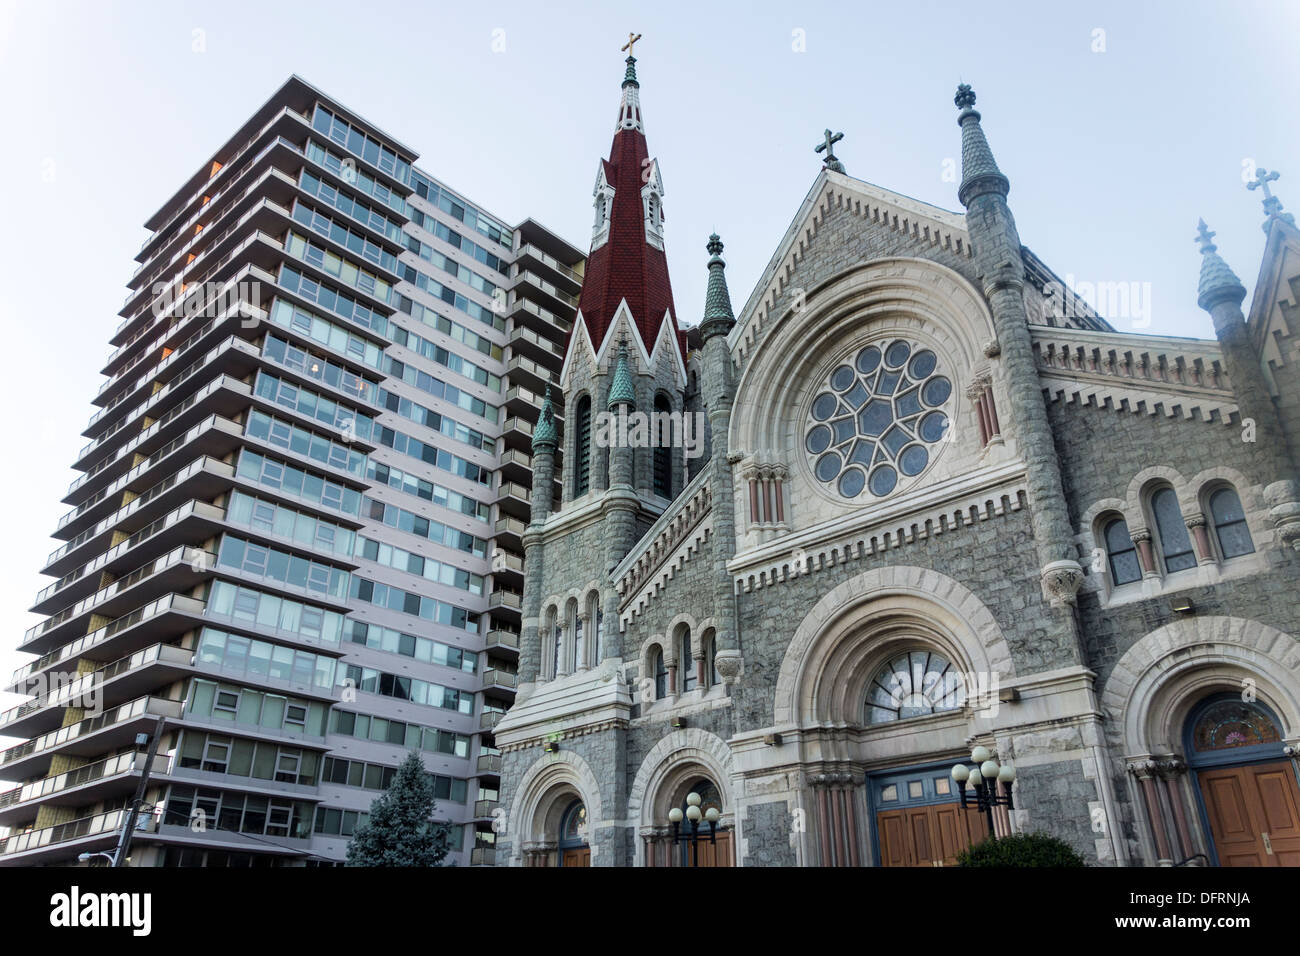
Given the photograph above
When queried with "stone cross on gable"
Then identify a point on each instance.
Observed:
(828, 148)
(1272, 205)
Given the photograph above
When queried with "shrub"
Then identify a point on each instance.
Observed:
(1021, 849)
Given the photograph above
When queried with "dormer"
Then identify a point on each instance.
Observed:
(652, 203)
(603, 202)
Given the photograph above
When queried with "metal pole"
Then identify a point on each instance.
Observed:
(128, 826)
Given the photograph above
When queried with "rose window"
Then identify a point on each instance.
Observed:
(877, 418)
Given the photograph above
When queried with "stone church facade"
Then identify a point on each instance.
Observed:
(943, 504)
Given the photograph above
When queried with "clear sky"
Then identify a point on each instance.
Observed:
(1118, 124)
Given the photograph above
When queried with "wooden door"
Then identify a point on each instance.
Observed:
(714, 854)
(1254, 814)
(578, 857)
(928, 836)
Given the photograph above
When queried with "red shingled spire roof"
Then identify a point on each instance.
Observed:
(627, 265)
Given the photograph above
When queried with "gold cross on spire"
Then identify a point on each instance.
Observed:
(631, 39)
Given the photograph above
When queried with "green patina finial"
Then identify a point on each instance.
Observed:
(717, 300)
(621, 391)
(1218, 282)
(545, 434)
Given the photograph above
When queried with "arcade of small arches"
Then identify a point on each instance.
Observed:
(1167, 525)
(573, 633)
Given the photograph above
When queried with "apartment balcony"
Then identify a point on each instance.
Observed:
(524, 341)
(92, 737)
(526, 403)
(487, 721)
(65, 841)
(483, 856)
(516, 465)
(507, 569)
(513, 499)
(214, 437)
(202, 478)
(526, 312)
(111, 779)
(487, 765)
(503, 643)
(546, 293)
(483, 808)
(494, 679)
(169, 615)
(531, 375)
(544, 264)
(510, 532)
(506, 605)
(191, 522)
(181, 569)
(108, 686)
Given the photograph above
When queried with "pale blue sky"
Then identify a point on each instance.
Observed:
(1112, 155)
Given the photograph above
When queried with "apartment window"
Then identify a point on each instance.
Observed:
(227, 704)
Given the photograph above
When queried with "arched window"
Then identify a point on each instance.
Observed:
(685, 663)
(1175, 543)
(711, 658)
(911, 685)
(1226, 729)
(661, 674)
(1230, 528)
(578, 653)
(554, 628)
(573, 828)
(597, 624)
(1122, 554)
(663, 457)
(582, 447)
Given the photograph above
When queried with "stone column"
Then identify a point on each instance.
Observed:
(1145, 771)
(1172, 771)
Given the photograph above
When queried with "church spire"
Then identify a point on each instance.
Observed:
(979, 170)
(627, 262)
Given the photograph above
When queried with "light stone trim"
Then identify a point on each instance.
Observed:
(965, 620)
(887, 534)
(1144, 375)
(1160, 677)
(547, 773)
(928, 226)
(673, 753)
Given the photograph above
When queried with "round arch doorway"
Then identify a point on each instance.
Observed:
(703, 853)
(1247, 789)
(574, 850)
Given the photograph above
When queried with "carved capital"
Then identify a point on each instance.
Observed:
(728, 664)
(1140, 534)
(1196, 520)
(992, 348)
(1283, 499)
(1061, 581)
(1143, 768)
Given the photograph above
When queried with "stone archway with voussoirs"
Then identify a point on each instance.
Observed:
(951, 614)
(545, 791)
(1153, 686)
(683, 753)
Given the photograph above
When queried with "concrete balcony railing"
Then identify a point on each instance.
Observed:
(492, 677)
(487, 720)
(484, 808)
(483, 856)
(506, 599)
(101, 771)
(486, 764)
(103, 825)
(531, 250)
(115, 717)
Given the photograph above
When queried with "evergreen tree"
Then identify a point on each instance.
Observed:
(400, 831)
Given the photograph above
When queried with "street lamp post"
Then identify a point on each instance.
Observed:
(694, 815)
(983, 778)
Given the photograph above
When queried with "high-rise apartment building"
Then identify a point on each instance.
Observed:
(293, 553)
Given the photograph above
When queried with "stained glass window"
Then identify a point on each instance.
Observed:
(1174, 540)
(1227, 724)
(911, 685)
(876, 417)
(1230, 524)
(1124, 566)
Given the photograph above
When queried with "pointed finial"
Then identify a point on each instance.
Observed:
(544, 433)
(1218, 283)
(718, 317)
(630, 76)
(1204, 236)
(1272, 205)
(621, 391)
(979, 170)
(965, 98)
